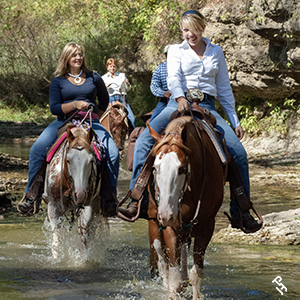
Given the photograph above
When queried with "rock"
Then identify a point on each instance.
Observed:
(279, 229)
(261, 43)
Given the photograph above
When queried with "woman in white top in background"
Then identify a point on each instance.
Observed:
(196, 63)
(117, 86)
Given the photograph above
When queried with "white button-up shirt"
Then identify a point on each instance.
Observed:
(116, 84)
(186, 70)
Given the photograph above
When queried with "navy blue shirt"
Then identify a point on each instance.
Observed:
(63, 91)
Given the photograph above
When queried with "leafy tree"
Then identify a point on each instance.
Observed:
(33, 32)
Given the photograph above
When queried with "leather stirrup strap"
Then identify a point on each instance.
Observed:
(140, 184)
(142, 180)
(134, 218)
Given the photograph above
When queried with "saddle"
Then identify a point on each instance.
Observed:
(142, 180)
(198, 112)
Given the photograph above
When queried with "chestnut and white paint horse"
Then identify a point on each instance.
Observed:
(72, 187)
(115, 121)
(185, 196)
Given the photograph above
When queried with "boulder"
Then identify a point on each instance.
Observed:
(282, 228)
(261, 43)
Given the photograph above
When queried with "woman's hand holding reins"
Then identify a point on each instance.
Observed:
(82, 105)
(183, 104)
(77, 104)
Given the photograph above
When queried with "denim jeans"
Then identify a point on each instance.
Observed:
(41, 146)
(145, 143)
(130, 113)
(159, 107)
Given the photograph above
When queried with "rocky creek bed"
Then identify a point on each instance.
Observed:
(273, 161)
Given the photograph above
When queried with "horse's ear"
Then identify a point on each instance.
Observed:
(90, 134)
(154, 134)
(184, 134)
(70, 135)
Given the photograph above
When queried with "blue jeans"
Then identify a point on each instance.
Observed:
(130, 113)
(41, 146)
(145, 143)
(159, 107)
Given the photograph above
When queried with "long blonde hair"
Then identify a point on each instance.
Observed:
(194, 22)
(63, 67)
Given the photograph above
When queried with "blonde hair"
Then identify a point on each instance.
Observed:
(63, 67)
(194, 22)
(111, 61)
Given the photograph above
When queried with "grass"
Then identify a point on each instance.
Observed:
(34, 114)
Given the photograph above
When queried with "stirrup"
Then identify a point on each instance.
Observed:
(134, 218)
(36, 207)
(240, 224)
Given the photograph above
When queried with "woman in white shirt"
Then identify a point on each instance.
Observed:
(197, 63)
(117, 86)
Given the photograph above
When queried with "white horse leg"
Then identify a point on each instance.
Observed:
(57, 229)
(83, 220)
(88, 222)
(162, 263)
(174, 282)
(196, 276)
(184, 268)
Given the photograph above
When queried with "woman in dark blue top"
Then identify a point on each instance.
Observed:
(74, 87)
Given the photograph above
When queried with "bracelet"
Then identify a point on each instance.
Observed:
(75, 104)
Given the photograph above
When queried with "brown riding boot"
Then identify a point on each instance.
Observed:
(131, 210)
(27, 207)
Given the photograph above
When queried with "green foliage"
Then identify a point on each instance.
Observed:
(141, 99)
(35, 114)
(33, 33)
(267, 118)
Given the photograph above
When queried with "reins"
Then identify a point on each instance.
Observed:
(187, 227)
(194, 221)
(73, 201)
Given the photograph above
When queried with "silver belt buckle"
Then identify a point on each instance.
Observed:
(193, 94)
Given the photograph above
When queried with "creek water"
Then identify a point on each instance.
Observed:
(117, 264)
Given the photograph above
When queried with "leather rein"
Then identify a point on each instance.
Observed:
(64, 173)
(187, 171)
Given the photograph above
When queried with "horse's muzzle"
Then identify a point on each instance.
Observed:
(81, 197)
(165, 218)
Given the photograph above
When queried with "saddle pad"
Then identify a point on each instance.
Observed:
(210, 132)
(55, 146)
(97, 145)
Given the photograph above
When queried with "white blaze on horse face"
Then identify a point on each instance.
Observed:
(170, 185)
(80, 168)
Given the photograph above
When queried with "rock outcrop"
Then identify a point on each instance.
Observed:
(282, 228)
(261, 42)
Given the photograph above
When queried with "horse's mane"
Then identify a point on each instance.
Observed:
(175, 126)
(80, 141)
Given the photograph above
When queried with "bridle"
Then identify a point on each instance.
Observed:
(184, 169)
(71, 195)
(120, 112)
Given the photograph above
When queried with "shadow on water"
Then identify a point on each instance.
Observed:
(118, 263)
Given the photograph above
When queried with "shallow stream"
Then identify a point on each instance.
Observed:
(117, 266)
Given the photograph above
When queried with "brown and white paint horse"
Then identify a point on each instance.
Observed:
(185, 196)
(115, 121)
(72, 187)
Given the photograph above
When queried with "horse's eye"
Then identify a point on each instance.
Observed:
(68, 161)
(181, 170)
